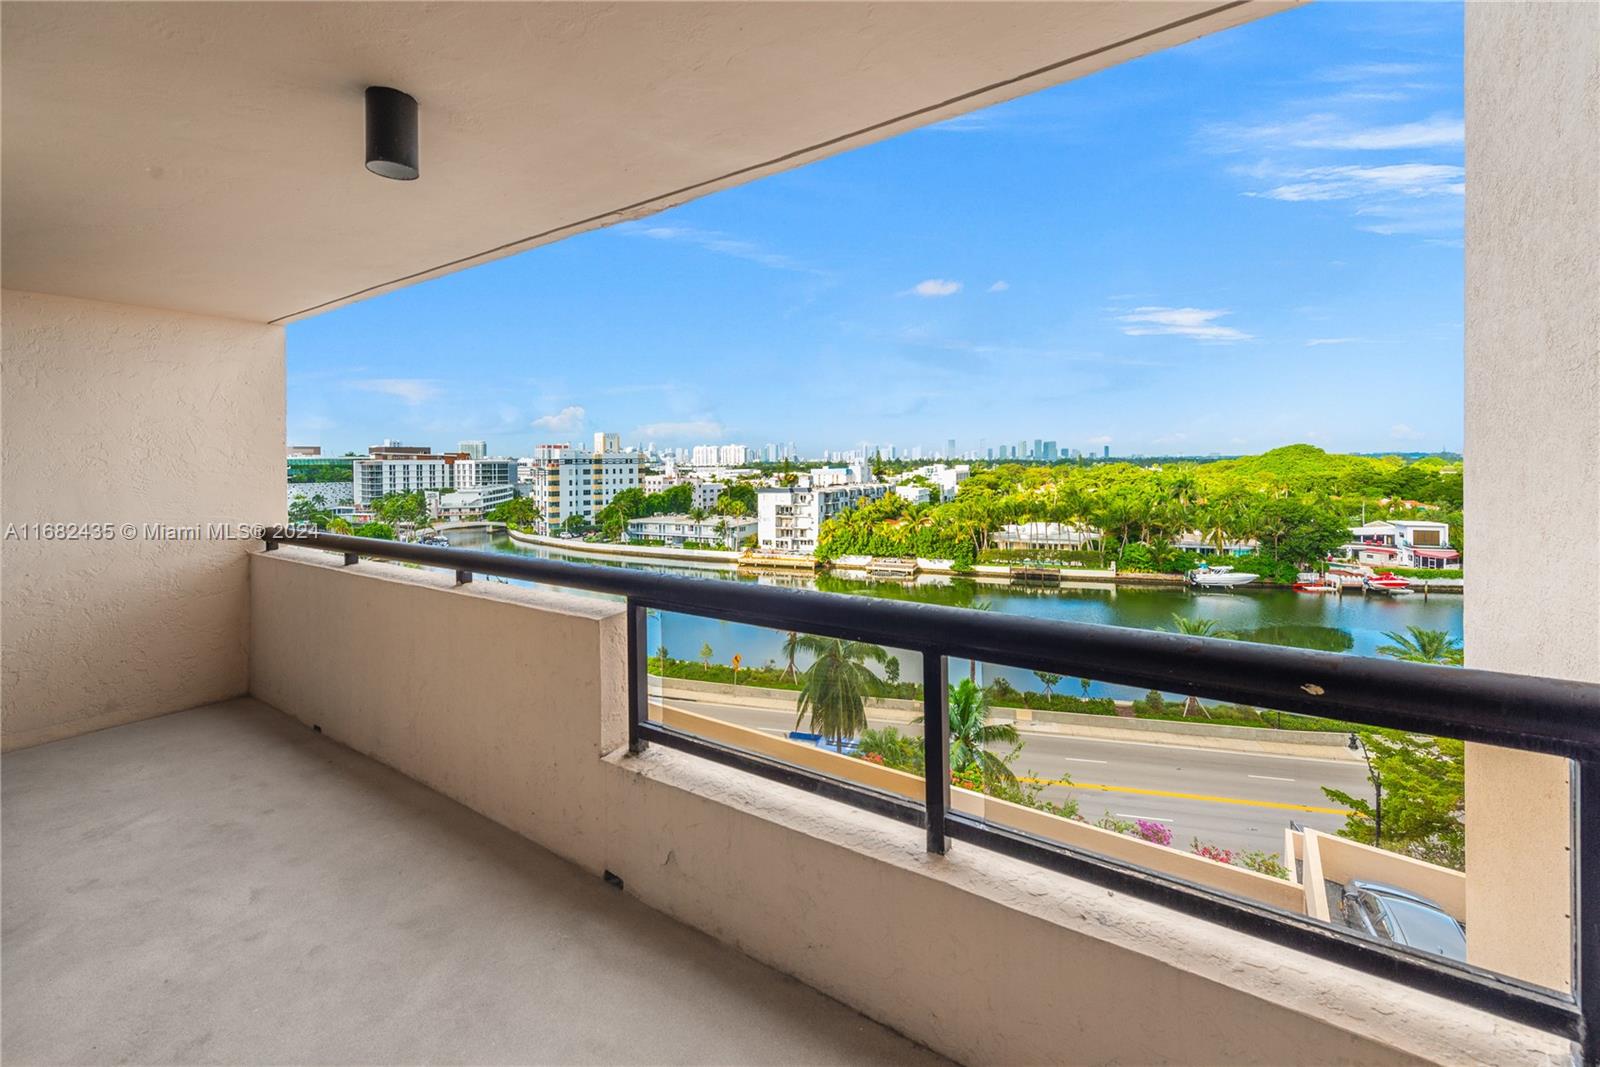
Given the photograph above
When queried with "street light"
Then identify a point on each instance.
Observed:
(1358, 745)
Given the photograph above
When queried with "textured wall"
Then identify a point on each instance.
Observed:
(129, 415)
(1532, 445)
(509, 700)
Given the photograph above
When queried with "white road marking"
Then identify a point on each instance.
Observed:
(1146, 818)
(1269, 778)
(1079, 759)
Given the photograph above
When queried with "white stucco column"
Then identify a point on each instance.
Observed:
(1532, 446)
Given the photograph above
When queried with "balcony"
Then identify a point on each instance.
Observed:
(275, 806)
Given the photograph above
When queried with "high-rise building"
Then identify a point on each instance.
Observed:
(1105, 452)
(950, 447)
(1048, 452)
(473, 449)
(607, 442)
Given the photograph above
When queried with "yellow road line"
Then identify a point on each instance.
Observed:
(1190, 796)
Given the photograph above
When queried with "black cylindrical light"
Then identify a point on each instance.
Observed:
(391, 133)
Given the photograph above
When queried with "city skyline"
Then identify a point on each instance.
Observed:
(1244, 242)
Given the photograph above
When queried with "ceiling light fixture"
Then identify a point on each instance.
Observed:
(391, 133)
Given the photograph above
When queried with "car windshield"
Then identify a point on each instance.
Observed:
(1426, 928)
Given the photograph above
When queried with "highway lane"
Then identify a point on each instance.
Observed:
(1236, 800)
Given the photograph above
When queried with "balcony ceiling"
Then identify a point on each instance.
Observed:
(208, 157)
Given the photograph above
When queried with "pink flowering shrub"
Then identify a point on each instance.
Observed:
(1211, 852)
(1153, 832)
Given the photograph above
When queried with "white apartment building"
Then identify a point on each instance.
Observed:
(706, 495)
(473, 449)
(568, 482)
(675, 530)
(789, 519)
(374, 478)
(468, 503)
(472, 473)
(721, 455)
(947, 478)
(914, 494)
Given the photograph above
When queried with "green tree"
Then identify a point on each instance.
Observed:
(340, 525)
(835, 688)
(891, 670)
(312, 512)
(791, 648)
(661, 659)
(705, 655)
(1198, 627)
(1049, 681)
(396, 508)
(575, 523)
(1418, 796)
(380, 530)
(1083, 685)
(971, 732)
(1417, 645)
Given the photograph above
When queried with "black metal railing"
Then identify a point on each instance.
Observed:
(1545, 715)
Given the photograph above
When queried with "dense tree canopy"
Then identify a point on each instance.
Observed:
(1297, 502)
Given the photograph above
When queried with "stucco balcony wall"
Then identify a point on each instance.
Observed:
(512, 700)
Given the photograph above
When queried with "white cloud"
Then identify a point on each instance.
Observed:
(1350, 182)
(1000, 286)
(935, 287)
(566, 420)
(413, 391)
(701, 429)
(1437, 132)
(1315, 341)
(1401, 432)
(1196, 323)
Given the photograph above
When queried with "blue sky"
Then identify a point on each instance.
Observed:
(1248, 241)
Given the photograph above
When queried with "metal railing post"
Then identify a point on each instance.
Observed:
(638, 675)
(1586, 904)
(936, 746)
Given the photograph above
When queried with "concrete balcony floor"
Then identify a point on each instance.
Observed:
(224, 885)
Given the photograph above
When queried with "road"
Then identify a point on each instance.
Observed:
(1236, 800)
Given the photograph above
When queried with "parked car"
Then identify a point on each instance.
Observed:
(1393, 914)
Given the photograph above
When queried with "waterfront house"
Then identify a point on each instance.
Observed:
(1402, 543)
(1045, 537)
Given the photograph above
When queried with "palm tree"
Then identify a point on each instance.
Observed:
(1198, 628)
(836, 686)
(1084, 684)
(791, 645)
(1049, 681)
(970, 731)
(661, 658)
(1417, 645)
(705, 655)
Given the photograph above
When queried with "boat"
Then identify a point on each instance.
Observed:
(1315, 583)
(1387, 584)
(1218, 577)
(435, 542)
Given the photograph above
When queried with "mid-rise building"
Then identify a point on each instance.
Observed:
(467, 503)
(706, 495)
(473, 473)
(607, 442)
(569, 482)
(374, 477)
(473, 449)
(789, 519)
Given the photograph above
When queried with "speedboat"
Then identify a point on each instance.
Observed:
(1388, 584)
(1219, 577)
(435, 541)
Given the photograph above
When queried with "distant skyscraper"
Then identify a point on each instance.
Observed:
(1105, 452)
(950, 447)
(473, 449)
(1048, 452)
